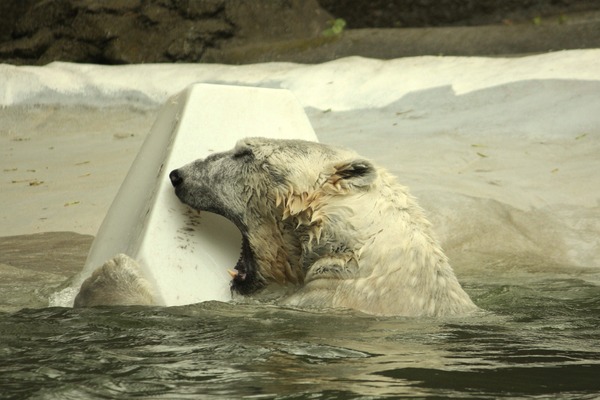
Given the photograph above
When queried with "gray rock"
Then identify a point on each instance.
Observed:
(138, 31)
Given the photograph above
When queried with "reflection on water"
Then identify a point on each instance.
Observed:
(540, 338)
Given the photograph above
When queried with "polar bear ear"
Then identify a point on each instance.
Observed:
(357, 173)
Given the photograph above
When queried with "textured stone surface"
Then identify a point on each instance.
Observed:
(141, 31)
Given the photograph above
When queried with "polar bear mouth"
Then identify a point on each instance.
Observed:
(246, 279)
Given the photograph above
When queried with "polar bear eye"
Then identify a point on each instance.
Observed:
(245, 152)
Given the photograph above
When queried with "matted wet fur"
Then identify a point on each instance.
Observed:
(328, 222)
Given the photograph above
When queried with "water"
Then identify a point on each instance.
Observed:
(539, 338)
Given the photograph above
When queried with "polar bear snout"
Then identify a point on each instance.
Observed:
(176, 178)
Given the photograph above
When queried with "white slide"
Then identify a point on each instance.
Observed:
(185, 255)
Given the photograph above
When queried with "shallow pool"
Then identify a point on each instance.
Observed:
(539, 338)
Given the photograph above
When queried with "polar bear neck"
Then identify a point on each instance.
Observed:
(276, 251)
(372, 250)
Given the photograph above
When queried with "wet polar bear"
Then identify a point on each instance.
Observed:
(327, 222)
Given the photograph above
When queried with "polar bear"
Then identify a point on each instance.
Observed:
(327, 222)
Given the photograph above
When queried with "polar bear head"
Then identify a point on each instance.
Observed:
(259, 185)
(323, 219)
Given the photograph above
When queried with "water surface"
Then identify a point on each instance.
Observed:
(539, 338)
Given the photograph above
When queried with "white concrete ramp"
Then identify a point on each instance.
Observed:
(185, 255)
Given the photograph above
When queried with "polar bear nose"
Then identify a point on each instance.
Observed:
(175, 178)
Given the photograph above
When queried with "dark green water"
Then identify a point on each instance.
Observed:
(540, 339)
